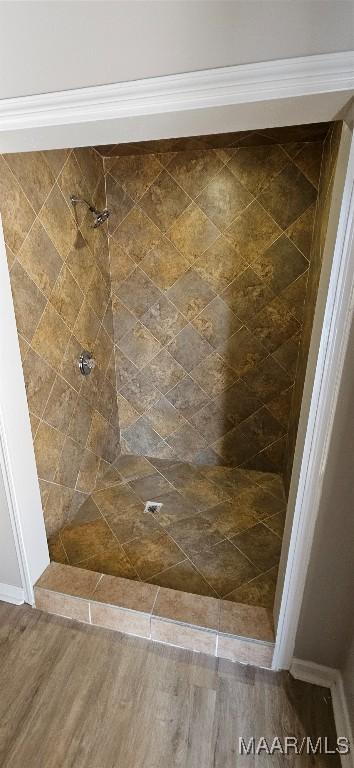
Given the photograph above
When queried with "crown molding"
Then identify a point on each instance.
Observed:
(221, 87)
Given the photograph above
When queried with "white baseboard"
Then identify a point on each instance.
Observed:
(328, 677)
(9, 594)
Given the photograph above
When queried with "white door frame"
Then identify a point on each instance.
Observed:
(228, 99)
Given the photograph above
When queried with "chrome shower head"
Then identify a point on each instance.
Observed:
(99, 216)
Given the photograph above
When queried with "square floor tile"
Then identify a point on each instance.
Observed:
(152, 554)
(224, 567)
(260, 545)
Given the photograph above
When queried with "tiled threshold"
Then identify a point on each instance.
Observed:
(234, 631)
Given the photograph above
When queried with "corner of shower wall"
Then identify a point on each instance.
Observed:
(328, 166)
(60, 279)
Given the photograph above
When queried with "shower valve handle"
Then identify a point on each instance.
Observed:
(86, 363)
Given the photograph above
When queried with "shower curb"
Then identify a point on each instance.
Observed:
(192, 622)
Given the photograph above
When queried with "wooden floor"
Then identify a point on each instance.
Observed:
(73, 695)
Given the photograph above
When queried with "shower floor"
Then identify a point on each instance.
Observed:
(217, 533)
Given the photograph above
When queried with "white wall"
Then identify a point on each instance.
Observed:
(9, 567)
(49, 46)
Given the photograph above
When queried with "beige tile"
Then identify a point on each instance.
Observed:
(62, 605)
(123, 593)
(68, 580)
(17, 213)
(186, 608)
(128, 622)
(182, 636)
(244, 652)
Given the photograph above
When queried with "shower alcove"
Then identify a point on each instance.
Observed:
(196, 300)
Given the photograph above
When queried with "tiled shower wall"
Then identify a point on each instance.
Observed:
(329, 160)
(210, 254)
(59, 270)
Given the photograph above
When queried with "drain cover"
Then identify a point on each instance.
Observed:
(153, 506)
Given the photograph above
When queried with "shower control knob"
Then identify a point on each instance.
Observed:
(86, 363)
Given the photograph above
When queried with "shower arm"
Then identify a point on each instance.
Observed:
(74, 199)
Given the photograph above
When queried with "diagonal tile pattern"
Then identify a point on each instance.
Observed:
(222, 239)
(217, 533)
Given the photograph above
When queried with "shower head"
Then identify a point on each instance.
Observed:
(99, 216)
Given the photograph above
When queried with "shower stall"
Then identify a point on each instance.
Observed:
(164, 294)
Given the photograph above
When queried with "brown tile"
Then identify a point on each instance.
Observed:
(98, 434)
(194, 169)
(224, 567)
(58, 507)
(57, 552)
(212, 421)
(70, 581)
(175, 507)
(80, 422)
(287, 354)
(163, 320)
(86, 539)
(51, 337)
(86, 326)
(183, 636)
(246, 621)
(254, 167)
(90, 164)
(86, 479)
(119, 203)
(149, 488)
(259, 501)
(131, 523)
(56, 159)
(58, 221)
(164, 418)
(121, 264)
(98, 293)
(239, 402)
(128, 622)
(309, 159)
(217, 322)
(136, 173)
(224, 198)
(191, 294)
(123, 593)
(39, 379)
(60, 405)
(34, 175)
(29, 301)
(186, 442)
(123, 319)
(247, 294)
(164, 264)
(243, 351)
(139, 391)
(141, 438)
(300, 232)
(229, 518)
(111, 560)
(187, 397)
(69, 368)
(268, 380)
(137, 235)
(69, 464)
(259, 592)
(40, 258)
(47, 446)
(138, 292)
(186, 608)
(193, 233)
(17, 214)
(294, 296)
(276, 523)
(189, 348)
(287, 196)
(220, 263)
(213, 374)
(152, 554)
(164, 371)
(281, 264)
(67, 297)
(139, 345)
(249, 437)
(260, 545)
(183, 577)
(62, 605)
(274, 324)
(245, 652)
(164, 201)
(263, 227)
(87, 512)
(195, 534)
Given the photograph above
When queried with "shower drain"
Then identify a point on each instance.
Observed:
(153, 506)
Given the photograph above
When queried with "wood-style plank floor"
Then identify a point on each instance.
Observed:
(74, 696)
